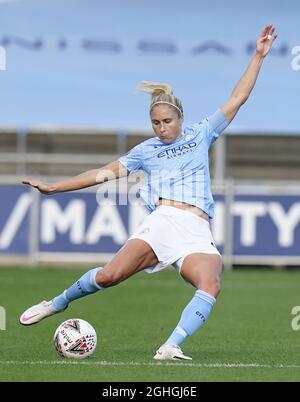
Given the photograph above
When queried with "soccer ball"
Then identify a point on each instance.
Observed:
(75, 338)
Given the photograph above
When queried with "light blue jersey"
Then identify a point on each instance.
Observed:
(178, 171)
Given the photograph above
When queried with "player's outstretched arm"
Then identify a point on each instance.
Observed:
(111, 171)
(245, 85)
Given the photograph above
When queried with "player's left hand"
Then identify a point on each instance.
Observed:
(265, 40)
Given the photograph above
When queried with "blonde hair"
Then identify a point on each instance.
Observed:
(161, 94)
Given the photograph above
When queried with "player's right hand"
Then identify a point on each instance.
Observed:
(43, 188)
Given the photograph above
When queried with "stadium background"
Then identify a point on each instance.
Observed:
(68, 104)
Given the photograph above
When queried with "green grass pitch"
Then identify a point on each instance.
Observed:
(248, 336)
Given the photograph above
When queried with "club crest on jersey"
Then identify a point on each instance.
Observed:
(189, 137)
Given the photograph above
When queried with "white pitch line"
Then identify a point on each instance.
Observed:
(157, 364)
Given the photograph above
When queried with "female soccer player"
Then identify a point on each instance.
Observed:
(178, 194)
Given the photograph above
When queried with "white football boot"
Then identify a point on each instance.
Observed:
(38, 312)
(170, 352)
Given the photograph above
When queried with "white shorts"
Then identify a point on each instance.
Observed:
(173, 234)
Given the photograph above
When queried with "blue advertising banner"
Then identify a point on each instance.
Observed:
(14, 219)
(77, 62)
(263, 225)
(76, 223)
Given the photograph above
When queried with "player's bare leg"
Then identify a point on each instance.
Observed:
(203, 271)
(133, 257)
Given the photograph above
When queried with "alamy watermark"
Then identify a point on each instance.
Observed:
(2, 319)
(296, 320)
(2, 58)
(165, 183)
(295, 63)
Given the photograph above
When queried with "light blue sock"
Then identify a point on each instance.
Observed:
(85, 285)
(192, 317)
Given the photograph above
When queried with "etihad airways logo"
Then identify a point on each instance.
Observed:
(177, 151)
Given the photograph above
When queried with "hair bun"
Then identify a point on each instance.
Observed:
(154, 88)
